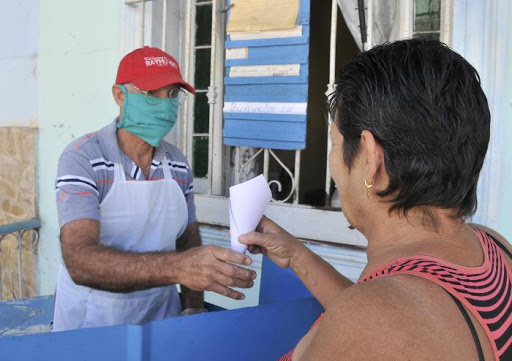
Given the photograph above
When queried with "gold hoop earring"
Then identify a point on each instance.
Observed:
(368, 186)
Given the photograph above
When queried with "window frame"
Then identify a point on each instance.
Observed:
(406, 20)
(211, 205)
(304, 221)
(213, 182)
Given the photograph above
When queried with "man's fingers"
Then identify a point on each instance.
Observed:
(233, 282)
(233, 271)
(226, 291)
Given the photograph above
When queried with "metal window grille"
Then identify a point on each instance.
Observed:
(202, 117)
(19, 230)
(426, 19)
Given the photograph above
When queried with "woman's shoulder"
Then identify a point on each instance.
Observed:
(397, 317)
(495, 235)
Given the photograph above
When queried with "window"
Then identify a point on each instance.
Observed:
(201, 118)
(303, 191)
(426, 19)
(202, 46)
(299, 179)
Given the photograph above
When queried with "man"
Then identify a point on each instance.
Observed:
(127, 215)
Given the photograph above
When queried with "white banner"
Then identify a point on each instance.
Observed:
(291, 33)
(268, 108)
(236, 53)
(265, 70)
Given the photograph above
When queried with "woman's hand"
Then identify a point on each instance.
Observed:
(274, 242)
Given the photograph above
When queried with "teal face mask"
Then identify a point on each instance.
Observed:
(150, 122)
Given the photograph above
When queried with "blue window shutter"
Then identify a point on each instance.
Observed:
(278, 128)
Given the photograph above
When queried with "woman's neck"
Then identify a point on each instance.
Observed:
(391, 236)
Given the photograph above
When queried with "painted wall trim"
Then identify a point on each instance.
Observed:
(302, 221)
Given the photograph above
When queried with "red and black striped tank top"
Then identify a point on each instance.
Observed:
(485, 290)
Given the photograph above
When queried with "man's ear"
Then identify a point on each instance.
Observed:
(373, 157)
(118, 95)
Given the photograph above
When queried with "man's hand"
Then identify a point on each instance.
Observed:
(213, 268)
(199, 268)
(190, 238)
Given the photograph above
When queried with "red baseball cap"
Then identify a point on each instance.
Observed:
(149, 69)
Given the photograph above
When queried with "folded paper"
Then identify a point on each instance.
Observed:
(247, 203)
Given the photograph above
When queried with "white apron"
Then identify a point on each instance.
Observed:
(136, 216)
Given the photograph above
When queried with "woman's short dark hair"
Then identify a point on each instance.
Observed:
(424, 105)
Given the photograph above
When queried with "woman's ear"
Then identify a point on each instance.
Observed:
(373, 156)
(118, 95)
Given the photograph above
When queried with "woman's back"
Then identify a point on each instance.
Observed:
(411, 317)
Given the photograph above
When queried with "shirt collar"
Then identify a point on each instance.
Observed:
(110, 148)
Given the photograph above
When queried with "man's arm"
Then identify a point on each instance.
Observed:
(199, 268)
(189, 239)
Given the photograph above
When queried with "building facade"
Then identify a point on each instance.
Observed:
(59, 71)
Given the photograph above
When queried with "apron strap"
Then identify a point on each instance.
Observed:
(166, 167)
(119, 173)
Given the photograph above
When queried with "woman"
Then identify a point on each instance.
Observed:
(410, 133)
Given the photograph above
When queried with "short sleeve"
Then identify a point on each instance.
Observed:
(77, 192)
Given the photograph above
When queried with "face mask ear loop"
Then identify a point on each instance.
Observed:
(125, 100)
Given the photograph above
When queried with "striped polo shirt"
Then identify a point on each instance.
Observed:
(86, 173)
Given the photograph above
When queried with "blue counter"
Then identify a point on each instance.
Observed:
(258, 333)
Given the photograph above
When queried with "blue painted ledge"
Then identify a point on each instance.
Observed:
(26, 316)
(260, 333)
(254, 333)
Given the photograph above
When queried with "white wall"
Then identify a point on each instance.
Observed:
(19, 26)
(80, 44)
(505, 210)
(481, 30)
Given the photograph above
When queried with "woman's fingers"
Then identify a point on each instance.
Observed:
(233, 281)
(227, 255)
(255, 238)
(266, 225)
(254, 249)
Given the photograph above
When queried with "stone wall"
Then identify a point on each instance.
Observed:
(17, 203)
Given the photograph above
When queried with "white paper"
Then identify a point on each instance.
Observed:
(271, 34)
(255, 15)
(269, 108)
(265, 70)
(247, 203)
(237, 53)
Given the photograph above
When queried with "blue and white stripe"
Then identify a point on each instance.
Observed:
(102, 163)
(190, 189)
(179, 166)
(76, 180)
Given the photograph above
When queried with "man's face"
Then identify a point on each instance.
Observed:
(166, 91)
